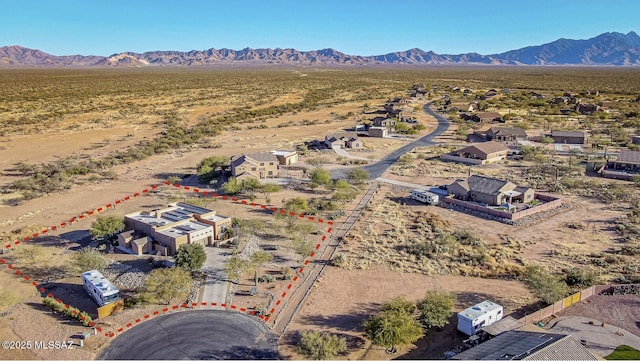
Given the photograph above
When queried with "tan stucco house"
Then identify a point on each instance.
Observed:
(258, 165)
(163, 231)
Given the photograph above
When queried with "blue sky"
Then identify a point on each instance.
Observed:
(366, 27)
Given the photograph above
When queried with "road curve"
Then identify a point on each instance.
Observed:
(195, 335)
(376, 170)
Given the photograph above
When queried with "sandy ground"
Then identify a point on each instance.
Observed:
(342, 300)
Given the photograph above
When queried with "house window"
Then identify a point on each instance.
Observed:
(253, 169)
(270, 172)
(262, 164)
(270, 163)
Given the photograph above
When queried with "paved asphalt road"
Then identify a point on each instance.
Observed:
(195, 335)
(376, 169)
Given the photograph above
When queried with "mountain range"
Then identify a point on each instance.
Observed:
(608, 49)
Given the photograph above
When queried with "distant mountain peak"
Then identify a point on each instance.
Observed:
(611, 49)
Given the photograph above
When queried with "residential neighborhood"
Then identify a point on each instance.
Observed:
(491, 219)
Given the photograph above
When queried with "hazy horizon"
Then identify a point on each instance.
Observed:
(349, 26)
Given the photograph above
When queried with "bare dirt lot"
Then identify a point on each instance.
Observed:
(342, 300)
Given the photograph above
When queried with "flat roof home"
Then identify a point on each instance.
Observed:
(480, 153)
(490, 191)
(257, 165)
(286, 157)
(171, 227)
(378, 132)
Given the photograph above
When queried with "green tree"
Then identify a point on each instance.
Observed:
(303, 247)
(232, 186)
(269, 188)
(399, 304)
(87, 259)
(190, 257)
(250, 186)
(358, 176)
(296, 205)
(105, 226)
(166, 284)
(321, 176)
(321, 346)
(548, 287)
(436, 308)
(393, 326)
(235, 268)
(207, 168)
(259, 258)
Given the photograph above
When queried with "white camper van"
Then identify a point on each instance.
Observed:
(99, 287)
(425, 196)
(474, 318)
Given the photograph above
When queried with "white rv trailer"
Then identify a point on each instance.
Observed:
(474, 318)
(425, 196)
(99, 287)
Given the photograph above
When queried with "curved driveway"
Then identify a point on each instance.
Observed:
(375, 170)
(195, 335)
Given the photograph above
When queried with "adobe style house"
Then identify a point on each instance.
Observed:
(625, 166)
(490, 191)
(285, 157)
(163, 231)
(378, 132)
(506, 134)
(568, 137)
(480, 153)
(483, 117)
(257, 165)
(343, 140)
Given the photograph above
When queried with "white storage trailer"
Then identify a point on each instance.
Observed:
(474, 318)
(100, 288)
(425, 196)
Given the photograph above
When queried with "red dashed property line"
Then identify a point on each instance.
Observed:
(235, 308)
(63, 224)
(82, 216)
(173, 307)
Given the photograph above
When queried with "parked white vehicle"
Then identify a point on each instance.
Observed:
(100, 288)
(474, 318)
(425, 196)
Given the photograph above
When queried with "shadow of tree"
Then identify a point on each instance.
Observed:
(345, 322)
(237, 353)
(73, 295)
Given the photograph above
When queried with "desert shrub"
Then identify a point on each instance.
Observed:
(547, 287)
(321, 346)
(266, 279)
(581, 278)
(340, 260)
(68, 311)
